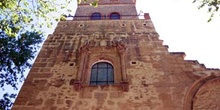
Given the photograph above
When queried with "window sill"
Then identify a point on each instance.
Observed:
(122, 86)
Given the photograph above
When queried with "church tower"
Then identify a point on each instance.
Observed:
(106, 58)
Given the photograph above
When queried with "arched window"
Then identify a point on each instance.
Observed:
(102, 73)
(114, 16)
(96, 16)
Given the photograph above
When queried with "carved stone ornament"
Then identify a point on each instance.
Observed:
(91, 43)
(125, 86)
(87, 49)
(121, 47)
(77, 85)
(103, 43)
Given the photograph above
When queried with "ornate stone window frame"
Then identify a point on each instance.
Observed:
(113, 53)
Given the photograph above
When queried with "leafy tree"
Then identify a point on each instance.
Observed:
(6, 103)
(211, 5)
(27, 13)
(22, 14)
(18, 47)
(15, 56)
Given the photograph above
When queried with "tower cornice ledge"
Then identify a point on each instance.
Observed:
(104, 26)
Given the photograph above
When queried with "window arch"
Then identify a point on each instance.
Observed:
(96, 16)
(115, 15)
(102, 73)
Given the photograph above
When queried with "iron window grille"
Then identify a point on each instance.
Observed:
(102, 73)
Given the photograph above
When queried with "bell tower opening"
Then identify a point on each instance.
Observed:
(108, 9)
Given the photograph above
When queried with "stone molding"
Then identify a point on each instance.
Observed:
(188, 101)
(86, 61)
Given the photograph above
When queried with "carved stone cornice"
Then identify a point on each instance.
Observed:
(120, 45)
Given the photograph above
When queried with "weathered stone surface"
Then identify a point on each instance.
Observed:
(146, 75)
(208, 96)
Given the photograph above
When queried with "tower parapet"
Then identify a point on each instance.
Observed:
(109, 2)
(124, 8)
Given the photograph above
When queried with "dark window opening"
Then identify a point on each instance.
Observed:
(123, 25)
(96, 16)
(102, 73)
(133, 62)
(81, 25)
(71, 64)
(114, 16)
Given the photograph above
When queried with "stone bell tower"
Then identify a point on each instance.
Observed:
(108, 59)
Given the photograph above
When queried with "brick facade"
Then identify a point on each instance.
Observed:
(147, 76)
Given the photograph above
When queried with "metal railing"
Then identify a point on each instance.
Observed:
(101, 18)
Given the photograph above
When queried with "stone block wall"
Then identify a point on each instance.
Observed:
(109, 2)
(126, 9)
(151, 78)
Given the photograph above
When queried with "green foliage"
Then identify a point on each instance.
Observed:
(94, 3)
(34, 14)
(15, 55)
(211, 5)
(18, 46)
(21, 13)
(6, 103)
